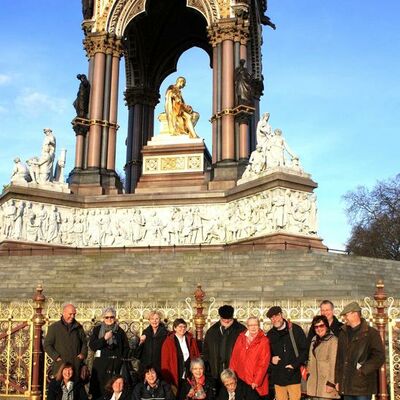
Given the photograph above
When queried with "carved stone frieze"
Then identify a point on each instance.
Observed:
(278, 210)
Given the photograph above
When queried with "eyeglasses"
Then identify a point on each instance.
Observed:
(319, 326)
(109, 317)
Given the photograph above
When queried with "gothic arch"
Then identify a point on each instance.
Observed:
(124, 11)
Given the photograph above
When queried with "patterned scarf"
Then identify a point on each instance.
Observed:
(105, 328)
(197, 391)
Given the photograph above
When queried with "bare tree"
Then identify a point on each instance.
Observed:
(375, 219)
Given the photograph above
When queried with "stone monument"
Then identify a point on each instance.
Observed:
(249, 189)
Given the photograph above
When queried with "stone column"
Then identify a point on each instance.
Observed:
(141, 103)
(95, 152)
(228, 101)
(241, 40)
(381, 321)
(37, 353)
(112, 134)
(229, 38)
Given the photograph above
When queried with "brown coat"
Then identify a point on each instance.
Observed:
(364, 350)
(321, 367)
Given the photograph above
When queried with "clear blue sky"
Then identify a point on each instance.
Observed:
(331, 84)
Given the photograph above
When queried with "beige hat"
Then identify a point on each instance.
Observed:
(351, 307)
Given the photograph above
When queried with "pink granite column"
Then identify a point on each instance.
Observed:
(96, 110)
(243, 139)
(112, 134)
(215, 105)
(79, 147)
(228, 123)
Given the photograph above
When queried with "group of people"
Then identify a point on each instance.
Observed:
(239, 362)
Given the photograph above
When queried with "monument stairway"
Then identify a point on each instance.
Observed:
(226, 275)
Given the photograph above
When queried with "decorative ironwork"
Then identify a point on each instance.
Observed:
(16, 333)
(19, 322)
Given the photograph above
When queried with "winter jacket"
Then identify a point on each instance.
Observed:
(218, 346)
(358, 360)
(281, 346)
(149, 352)
(162, 391)
(107, 360)
(66, 344)
(54, 391)
(243, 392)
(250, 362)
(321, 367)
(170, 365)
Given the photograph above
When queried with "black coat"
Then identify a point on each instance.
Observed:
(242, 392)
(66, 344)
(209, 388)
(162, 391)
(149, 352)
(110, 361)
(54, 391)
(281, 346)
(365, 348)
(218, 347)
(125, 395)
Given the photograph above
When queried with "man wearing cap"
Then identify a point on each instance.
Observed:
(288, 352)
(359, 357)
(220, 339)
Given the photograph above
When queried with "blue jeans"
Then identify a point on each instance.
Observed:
(367, 397)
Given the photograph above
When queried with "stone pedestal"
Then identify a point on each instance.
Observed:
(174, 164)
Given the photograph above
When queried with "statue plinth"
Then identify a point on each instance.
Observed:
(174, 164)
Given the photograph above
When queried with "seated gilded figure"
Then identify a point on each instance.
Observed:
(179, 116)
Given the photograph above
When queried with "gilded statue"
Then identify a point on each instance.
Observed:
(180, 116)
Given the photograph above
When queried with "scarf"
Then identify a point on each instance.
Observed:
(67, 390)
(105, 328)
(318, 340)
(197, 388)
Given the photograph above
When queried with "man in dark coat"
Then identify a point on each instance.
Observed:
(285, 364)
(359, 357)
(66, 341)
(219, 341)
(234, 388)
(327, 309)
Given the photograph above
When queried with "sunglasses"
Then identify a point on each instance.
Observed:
(319, 326)
(109, 317)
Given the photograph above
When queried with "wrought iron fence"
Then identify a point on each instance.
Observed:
(23, 366)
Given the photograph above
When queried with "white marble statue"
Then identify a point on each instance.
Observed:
(40, 171)
(272, 154)
(20, 173)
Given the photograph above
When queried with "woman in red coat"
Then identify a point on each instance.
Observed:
(251, 355)
(178, 349)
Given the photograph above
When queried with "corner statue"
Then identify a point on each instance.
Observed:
(180, 116)
(81, 103)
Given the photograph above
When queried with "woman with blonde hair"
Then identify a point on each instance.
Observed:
(151, 341)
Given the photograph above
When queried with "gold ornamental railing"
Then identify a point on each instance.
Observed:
(23, 365)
